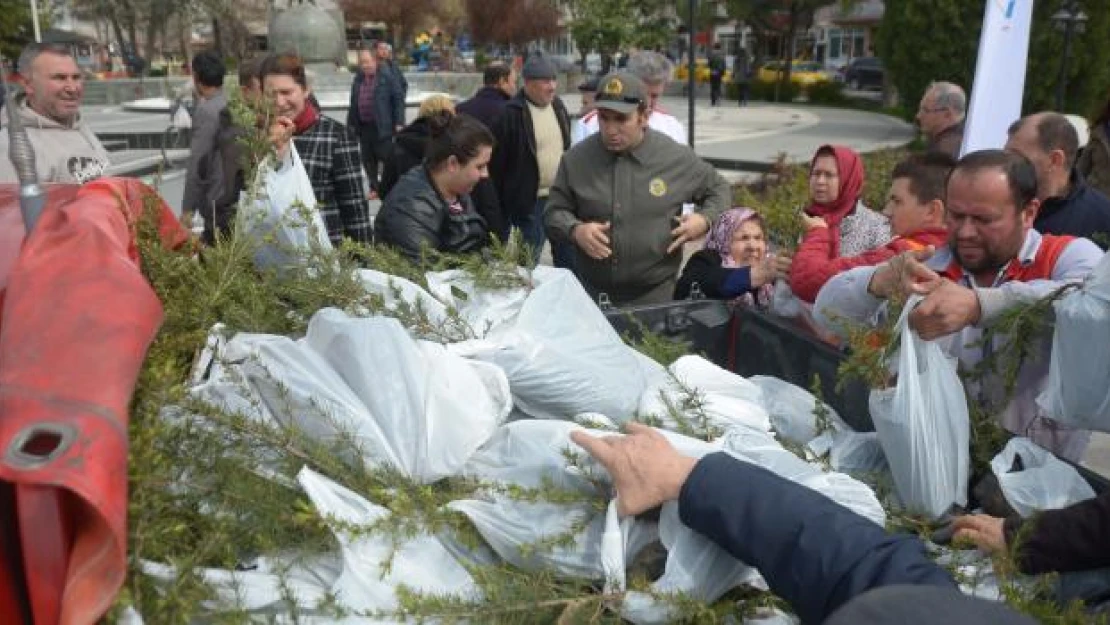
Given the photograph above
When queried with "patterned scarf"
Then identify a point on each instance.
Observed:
(720, 241)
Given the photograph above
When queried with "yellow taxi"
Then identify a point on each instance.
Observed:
(801, 72)
(701, 73)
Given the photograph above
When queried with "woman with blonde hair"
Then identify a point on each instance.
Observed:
(411, 142)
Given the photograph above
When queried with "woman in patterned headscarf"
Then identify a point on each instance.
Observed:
(734, 264)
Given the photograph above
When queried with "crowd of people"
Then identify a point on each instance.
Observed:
(619, 196)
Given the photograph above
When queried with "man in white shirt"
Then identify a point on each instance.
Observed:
(654, 70)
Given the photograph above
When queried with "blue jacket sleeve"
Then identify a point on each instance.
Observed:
(813, 552)
(737, 282)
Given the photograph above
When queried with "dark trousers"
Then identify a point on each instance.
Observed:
(742, 92)
(374, 150)
(714, 89)
(532, 229)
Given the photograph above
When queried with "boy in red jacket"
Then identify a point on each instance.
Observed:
(915, 206)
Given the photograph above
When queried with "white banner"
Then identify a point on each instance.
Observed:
(999, 74)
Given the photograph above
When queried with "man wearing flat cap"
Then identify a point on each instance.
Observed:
(532, 133)
(618, 197)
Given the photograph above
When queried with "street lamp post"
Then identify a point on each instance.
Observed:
(1072, 20)
(35, 21)
(691, 69)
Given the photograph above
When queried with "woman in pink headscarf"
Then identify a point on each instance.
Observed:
(734, 263)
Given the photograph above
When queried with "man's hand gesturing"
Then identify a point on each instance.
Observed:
(593, 239)
(646, 470)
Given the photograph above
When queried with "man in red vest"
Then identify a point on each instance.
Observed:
(994, 261)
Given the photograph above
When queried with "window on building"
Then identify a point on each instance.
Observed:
(846, 44)
(730, 43)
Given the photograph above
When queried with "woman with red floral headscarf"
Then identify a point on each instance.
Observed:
(734, 263)
(836, 220)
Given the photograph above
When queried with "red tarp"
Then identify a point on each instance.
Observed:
(76, 319)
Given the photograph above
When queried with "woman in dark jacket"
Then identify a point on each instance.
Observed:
(734, 263)
(411, 142)
(430, 205)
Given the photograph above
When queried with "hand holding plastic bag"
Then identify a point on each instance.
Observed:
(923, 425)
(1041, 482)
(283, 219)
(532, 454)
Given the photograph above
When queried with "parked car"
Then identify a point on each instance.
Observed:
(864, 73)
(801, 72)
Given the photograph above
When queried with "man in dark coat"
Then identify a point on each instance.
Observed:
(375, 113)
(830, 564)
(1069, 206)
(532, 133)
(499, 85)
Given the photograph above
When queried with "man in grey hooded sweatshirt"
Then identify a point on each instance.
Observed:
(66, 150)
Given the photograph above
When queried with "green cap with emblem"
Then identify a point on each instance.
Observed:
(621, 92)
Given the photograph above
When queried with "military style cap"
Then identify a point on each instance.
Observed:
(621, 92)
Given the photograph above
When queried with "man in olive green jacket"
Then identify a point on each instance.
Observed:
(619, 195)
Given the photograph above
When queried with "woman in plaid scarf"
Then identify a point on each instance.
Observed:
(329, 153)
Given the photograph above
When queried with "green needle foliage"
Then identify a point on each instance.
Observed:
(212, 489)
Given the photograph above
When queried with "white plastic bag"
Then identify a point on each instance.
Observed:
(850, 452)
(1046, 482)
(791, 409)
(695, 566)
(430, 409)
(923, 425)
(701, 569)
(783, 301)
(726, 399)
(397, 292)
(760, 448)
(355, 578)
(487, 311)
(364, 583)
(180, 117)
(562, 357)
(1078, 389)
(284, 218)
(404, 403)
(530, 454)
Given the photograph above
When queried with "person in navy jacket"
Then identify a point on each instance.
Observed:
(832, 565)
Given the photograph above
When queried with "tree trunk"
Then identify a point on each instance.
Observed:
(149, 44)
(184, 34)
(113, 20)
(217, 37)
